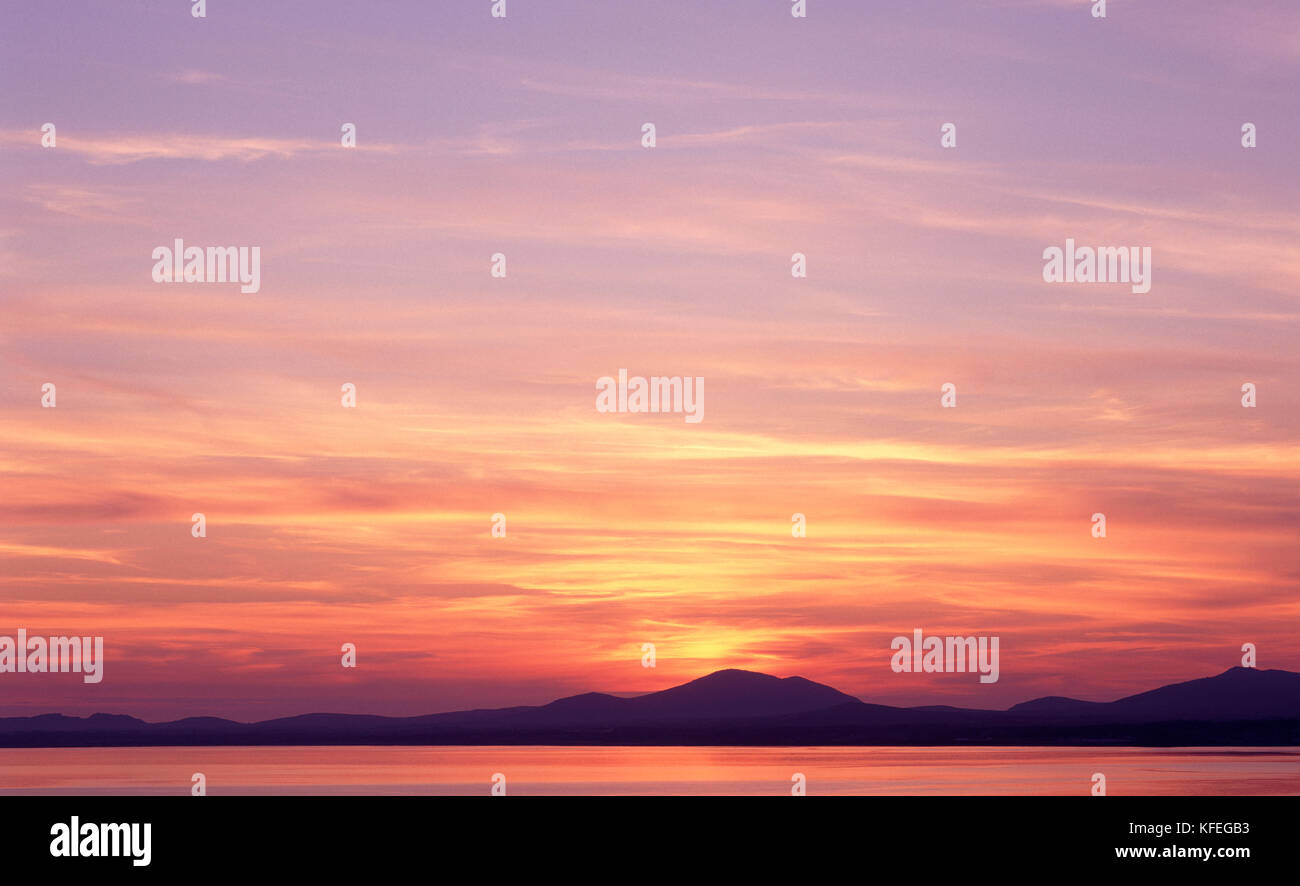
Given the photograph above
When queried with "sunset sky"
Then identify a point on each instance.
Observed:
(476, 395)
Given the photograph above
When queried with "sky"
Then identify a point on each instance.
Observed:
(476, 394)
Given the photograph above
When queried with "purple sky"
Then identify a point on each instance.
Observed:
(522, 136)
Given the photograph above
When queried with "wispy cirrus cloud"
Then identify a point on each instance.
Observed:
(112, 149)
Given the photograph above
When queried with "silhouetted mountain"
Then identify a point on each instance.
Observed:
(1236, 694)
(1241, 706)
(723, 694)
(60, 723)
(1057, 705)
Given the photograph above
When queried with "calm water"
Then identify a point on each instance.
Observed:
(580, 770)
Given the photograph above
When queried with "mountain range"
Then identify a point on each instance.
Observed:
(1241, 706)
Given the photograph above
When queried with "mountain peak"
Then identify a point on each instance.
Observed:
(738, 693)
(1235, 694)
(735, 677)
